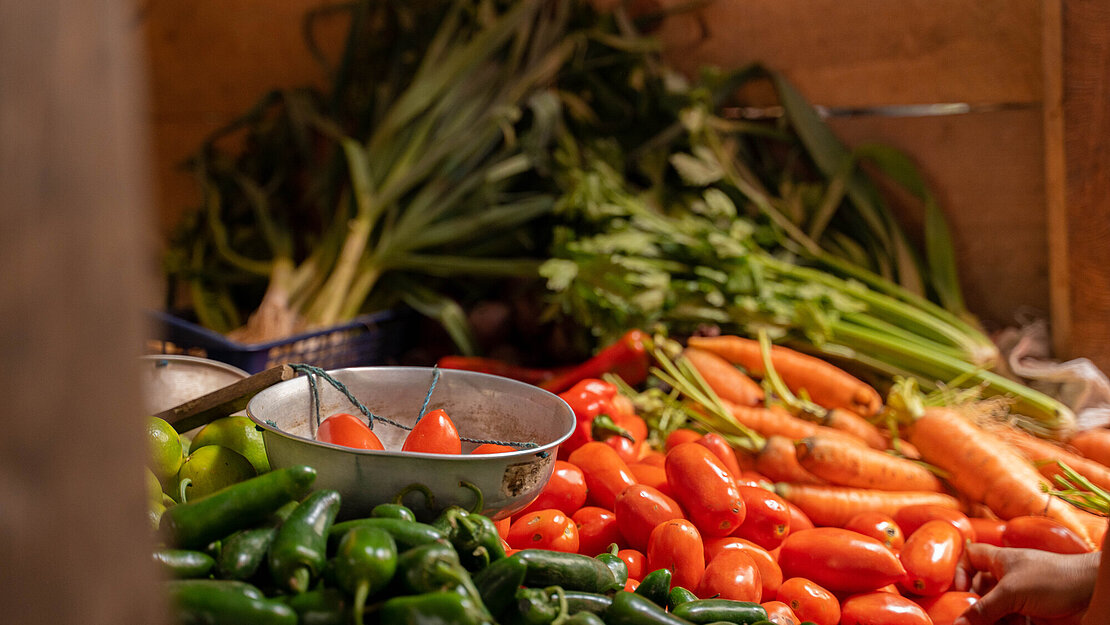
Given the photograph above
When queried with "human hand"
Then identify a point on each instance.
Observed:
(1049, 588)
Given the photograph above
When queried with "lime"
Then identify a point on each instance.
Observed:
(236, 433)
(211, 468)
(165, 449)
(154, 511)
(153, 487)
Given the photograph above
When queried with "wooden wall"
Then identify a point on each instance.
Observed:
(1023, 176)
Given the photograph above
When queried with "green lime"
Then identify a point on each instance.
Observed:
(237, 433)
(165, 449)
(153, 487)
(154, 510)
(211, 468)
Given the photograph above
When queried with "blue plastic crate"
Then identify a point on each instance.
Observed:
(374, 339)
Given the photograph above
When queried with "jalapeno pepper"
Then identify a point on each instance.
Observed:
(579, 601)
(224, 602)
(242, 554)
(678, 596)
(392, 511)
(435, 567)
(538, 606)
(365, 563)
(184, 563)
(197, 523)
(498, 582)
(324, 606)
(711, 610)
(406, 534)
(584, 618)
(571, 571)
(616, 565)
(473, 535)
(656, 586)
(299, 550)
(631, 609)
(627, 357)
(442, 607)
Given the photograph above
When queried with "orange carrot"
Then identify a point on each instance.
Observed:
(777, 421)
(826, 384)
(847, 421)
(985, 468)
(1044, 455)
(724, 378)
(836, 505)
(862, 467)
(1093, 444)
(778, 461)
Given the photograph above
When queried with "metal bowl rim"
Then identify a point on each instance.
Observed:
(197, 360)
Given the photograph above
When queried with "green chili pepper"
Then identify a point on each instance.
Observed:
(324, 606)
(578, 601)
(392, 511)
(616, 565)
(498, 582)
(435, 567)
(406, 534)
(184, 563)
(299, 550)
(656, 586)
(538, 606)
(365, 563)
(584, 618)
(678, 596)
(631, 609)
(443, 607)
(572, 571)
(195, 524)
(241, 555)
(710, 610)
(224, 602)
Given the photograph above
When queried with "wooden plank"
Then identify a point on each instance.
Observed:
(75, 545)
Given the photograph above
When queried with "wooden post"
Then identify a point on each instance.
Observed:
(75, 274)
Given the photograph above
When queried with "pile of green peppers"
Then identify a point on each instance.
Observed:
(268, 551)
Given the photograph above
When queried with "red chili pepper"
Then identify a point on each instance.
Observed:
(497, 367)
(627, 357)
(591, 401)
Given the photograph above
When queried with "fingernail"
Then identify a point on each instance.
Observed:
(961, 621)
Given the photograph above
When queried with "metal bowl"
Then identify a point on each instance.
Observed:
(483, 407)
(170, 380)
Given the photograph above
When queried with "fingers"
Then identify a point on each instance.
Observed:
(984, 557)
(990, 608)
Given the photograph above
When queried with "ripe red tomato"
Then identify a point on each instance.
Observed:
(719, 446)
(839, 559)
(930, 557)
(544, 529)
(349, 431)
(1039, 532)
(626, 449)
(597, 529)
(798, 519)
(705, 490)
(880, 526)
(503, 526)
(732, 574)
(676, 545)
(491, 448)
(635, 561)
(881, 608)
(565, 490)
(653, 458)
(606, 474)
(679, 436)
(809, 601)
(780, 613)
(639, 509)
(944, 608)
(910, 518)
(651, 475)
(766, 517)
(988, 531)
(434, 433)
(769, 571)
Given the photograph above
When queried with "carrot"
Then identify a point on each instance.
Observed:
(826, 384)
(724, 378)
(778, 461)
(847, 421)
(777, 421)
(985, 468)
(862, 467)
(1045, 455)
(1093, 444)
(836, 505)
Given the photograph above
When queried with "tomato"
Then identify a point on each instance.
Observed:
(880, 526)
(705, 490)
(606, 474)
(798, 520)
(631, 584)
(719, 446)
(491, 448)
(434, 433)
(881, 608)
(624, 416)
(651, 475)
(754, 478)
(639, 508)
(565, 490)
(653, 458)
(679, 436)
(769, 572)
(676, 545)
(839, 559)
(1040, 532)
(988, 531)
(626, 449)
(597, 529)
(544, 529)
(780, 613)
(910, 518)
(809, 601)
(503, 526)
(349, 431)
(930, 557)
(635, 561)
(766, 517)
(944, 608)
(733, 574)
